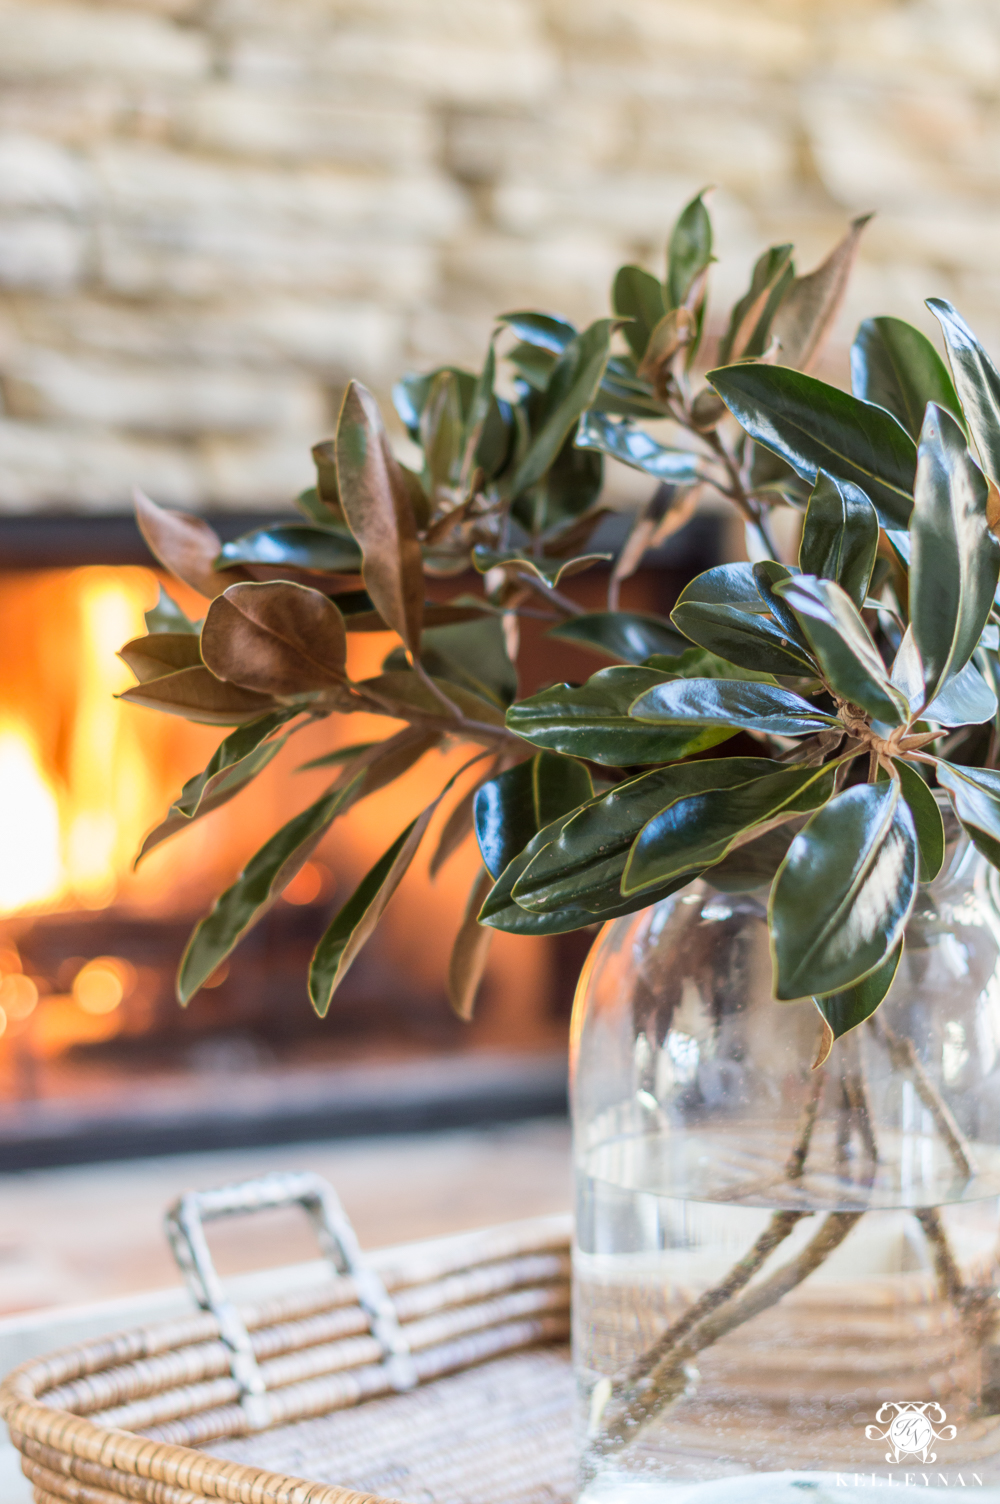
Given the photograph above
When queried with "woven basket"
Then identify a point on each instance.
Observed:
(129, 1417)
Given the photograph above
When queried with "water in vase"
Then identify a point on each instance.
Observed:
(786, 1277)
(773, 1380)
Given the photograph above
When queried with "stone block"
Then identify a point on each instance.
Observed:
(251, 260)
(260, 472)
(567, 135)
(894, 148)
(331, 338)
(625, 206)
(566, 272)
(42, 252)
(188, 197)
(280, 123)
(72, 111)
(756, 35)
(957, 40)
(45, 41)
(446, 71)
(749, 145)
(339, 339)
(187, 401)
(950, 239)
(37, 174)
(54, 466)
(479, 52)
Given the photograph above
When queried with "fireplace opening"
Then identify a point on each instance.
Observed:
(96, 1056)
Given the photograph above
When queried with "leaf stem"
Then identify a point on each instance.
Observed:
(478, 731)
(550, 593)
(737, 493)
(668, 1379)
(903, 1055)
(658, 1375)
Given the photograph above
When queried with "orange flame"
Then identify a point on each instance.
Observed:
(78, 786)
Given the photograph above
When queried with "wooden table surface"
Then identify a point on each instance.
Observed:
(91, 1233)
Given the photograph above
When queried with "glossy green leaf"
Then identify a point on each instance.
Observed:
(897, 367)
(542, 329)
(754, 864)
(315, 510)
(510, 809)
(167, 616)
(767, 575)
(722, 611)
(699, 663)
(442, 432)
(550, 571)
(296, 544)
(977, 381)
(379, 507)
(965, 700)
(844, 892)
(843, 1011)
(231, 757)
(258, 885)
(620, 439)
(470, 951)
(570, 391)
(751, 318)
(323, 505)
(813, 427)
(927, 821)
(587, 857)
(850, 661)
(771, 477)
(411, 394)
(337, 756)
(592, 721)
(638, 296)
(483, 402)
(502, 913)
(568, 489)
(975, 793)
(354, 923)
(627, 396)
(235, 763)
(731, 704)
(954, 557)
(689, 252)
(840, 536)
(701, 828)
(534, 363)
(628, 635)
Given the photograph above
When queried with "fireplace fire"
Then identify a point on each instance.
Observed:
(89, 942)
(90, 1029)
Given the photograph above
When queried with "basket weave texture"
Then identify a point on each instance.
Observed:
(122, 1418)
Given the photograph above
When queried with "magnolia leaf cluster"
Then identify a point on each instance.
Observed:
(797, 723)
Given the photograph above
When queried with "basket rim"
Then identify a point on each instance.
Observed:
(77, 1437)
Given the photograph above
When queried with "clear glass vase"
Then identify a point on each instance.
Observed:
(784, 1277)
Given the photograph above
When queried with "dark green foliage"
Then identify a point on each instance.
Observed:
(861, 673)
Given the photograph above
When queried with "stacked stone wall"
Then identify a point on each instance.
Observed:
(213, 212)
